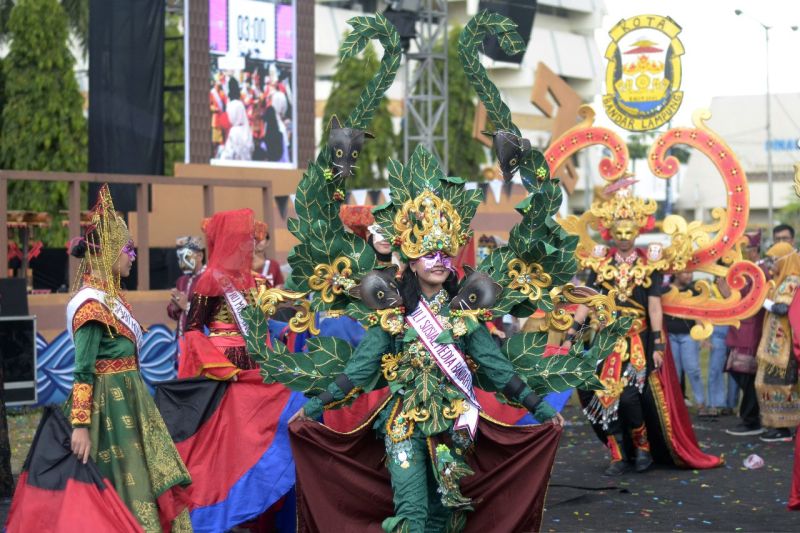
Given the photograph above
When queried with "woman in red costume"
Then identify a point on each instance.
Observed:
(220, 294)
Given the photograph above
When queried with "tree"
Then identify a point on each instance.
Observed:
(43, 123)
(77, 12)
(350, 78)
(465, 154)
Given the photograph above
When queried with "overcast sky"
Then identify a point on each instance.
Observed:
(725, 53)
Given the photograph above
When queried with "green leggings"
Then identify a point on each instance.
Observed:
(417, 503)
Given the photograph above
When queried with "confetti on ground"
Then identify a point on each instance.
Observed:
(732, 498)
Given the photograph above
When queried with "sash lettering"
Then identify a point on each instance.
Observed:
(450, 360)
(236, 300)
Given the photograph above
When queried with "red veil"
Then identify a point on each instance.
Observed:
(229, 237)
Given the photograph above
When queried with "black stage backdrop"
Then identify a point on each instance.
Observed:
(520, 11)
(50, 270)
(126, 104)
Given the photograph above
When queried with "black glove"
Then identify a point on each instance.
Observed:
(780, 309)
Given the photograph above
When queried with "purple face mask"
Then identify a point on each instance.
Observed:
(129, 251)
(431, 260)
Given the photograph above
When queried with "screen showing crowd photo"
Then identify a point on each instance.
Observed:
(251, 96)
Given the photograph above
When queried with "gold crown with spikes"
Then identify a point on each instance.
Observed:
(623, 205)
(106, 238)
(428, 224)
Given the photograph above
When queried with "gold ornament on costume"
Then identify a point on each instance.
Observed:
(603, 306)
(428, 224)
(104, 245)
(332, 280)
(624, 212)
(303, 320)
(529, 279)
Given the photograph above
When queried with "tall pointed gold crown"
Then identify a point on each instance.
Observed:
(623, 206)
(105, 239)
(427, 224)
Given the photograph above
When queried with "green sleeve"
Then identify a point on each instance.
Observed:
(496, 366)
(359, 370)
(87, 346)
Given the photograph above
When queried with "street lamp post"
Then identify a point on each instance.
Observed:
(770, 203)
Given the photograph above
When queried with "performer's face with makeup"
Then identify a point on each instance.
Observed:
(432, 269)
(122, 266)
(624, 234)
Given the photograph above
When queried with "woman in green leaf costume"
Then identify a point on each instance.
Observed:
(425, 354)
(427, 348)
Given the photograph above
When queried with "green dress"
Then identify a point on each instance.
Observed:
(424, 452)
(130, 442)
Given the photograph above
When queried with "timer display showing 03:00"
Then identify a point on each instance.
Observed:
(254, 30)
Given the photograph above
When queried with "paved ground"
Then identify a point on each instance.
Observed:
(729, 498)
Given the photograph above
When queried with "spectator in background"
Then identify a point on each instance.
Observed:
(783, 233)
(685, 349)
(722, 399)
(190, 261)
(742, 343)
(262, 265)
(776, 381)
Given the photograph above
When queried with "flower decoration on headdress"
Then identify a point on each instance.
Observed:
(623, 211)
(428, 212)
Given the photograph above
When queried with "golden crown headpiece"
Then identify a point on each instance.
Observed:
(623, 205)
(105, 240)
(427, 224)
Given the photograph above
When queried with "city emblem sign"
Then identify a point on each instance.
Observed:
(643, 73)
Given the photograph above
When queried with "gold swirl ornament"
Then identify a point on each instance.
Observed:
(331, 280)
(391, 319)
(603, 306)
(268, 299)
(528, 278)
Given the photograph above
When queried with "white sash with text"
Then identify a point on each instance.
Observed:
(236, 301)
(450, 360)
(117, 308)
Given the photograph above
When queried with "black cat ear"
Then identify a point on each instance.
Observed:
(335, 124)
(468, 270)
(368, 135)
(391, 270)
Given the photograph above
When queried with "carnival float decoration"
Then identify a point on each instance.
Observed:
(695, 246)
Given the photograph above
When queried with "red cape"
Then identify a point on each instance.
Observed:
(512, 469)
(673, 418)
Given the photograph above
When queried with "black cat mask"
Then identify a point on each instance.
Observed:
(478, 291)
(510, 150)
(345, 146)
(378, 289)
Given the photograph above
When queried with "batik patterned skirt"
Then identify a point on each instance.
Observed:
(131, 444)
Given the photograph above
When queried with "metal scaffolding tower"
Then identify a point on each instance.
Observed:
(425, 110)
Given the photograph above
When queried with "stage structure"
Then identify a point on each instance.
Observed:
(425, 109)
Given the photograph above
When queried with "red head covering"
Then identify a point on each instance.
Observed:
(229, 238)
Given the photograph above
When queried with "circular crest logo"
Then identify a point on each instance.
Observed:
(643, 73)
